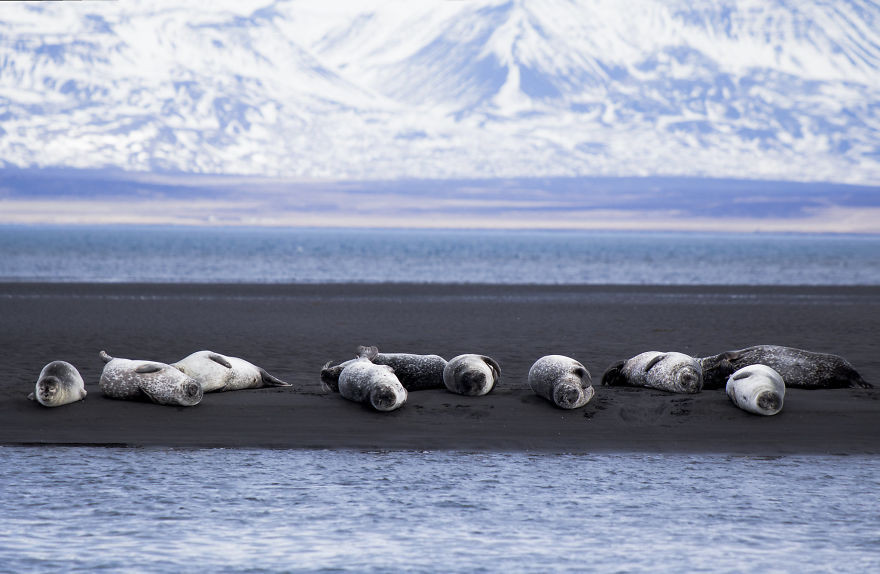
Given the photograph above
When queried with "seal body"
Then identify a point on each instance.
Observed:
(59, 384)
(561, 380)
(673, 372)
(218, 372)
(376, 385)
(799, 368)
(757, 389)
(415, 372)
(148, 380)
(471, 375)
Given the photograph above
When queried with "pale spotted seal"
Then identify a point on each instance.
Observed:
(471, 375)
(673, 372)
(415, 372)
(756, 389)
(798, 368)
(157, 382)
(376, 385)
(561, 380)
(218, 372)
(59, 384)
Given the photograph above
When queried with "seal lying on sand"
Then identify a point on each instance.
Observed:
(798, 368)
(757, 389)
(471, 375)
(673, 372)
(561, 380)
(364, 382)
(218, 372)
(415, 372)
(59, 384)
(157, 382)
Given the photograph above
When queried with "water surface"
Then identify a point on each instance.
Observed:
(145, 510)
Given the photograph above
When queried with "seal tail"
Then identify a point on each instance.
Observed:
(271, 380)
(368, 352)
(105, 357)
(612, 375)
(860, 383)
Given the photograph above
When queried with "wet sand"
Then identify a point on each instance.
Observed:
(292, 330)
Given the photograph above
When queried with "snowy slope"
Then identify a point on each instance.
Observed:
(374, 90)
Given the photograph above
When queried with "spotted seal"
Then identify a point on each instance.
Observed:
(218, 372)
(471, 375)
(59, 384)
(798, 368)
(673, 372)
(138, 380)
(362, 381)
(756, 389)
(561, 380)
(415, 372)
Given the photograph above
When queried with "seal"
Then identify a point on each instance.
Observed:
(561, 380)
(59, 384)
(799, 368)
(673, 372)
(471, 375)
(148, 380)
(756, 389)
(218, 372)
(362, 381)
(415, 372)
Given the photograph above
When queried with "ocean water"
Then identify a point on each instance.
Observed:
(261, 255)
(142, 510)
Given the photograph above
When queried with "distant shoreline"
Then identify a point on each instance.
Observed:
(291, 330)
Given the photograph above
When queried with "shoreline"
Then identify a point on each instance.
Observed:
(293, 329)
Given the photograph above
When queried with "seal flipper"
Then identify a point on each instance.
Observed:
(493, 364)
(144, 369)
(105, 357)
(32, 397)
(612, 376)
(220, 360)
(272, 381)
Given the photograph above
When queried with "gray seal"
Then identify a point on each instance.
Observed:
(673, 372)
(218, 372)
(798, 368)
(415, 372)
(471, 375)
(561, 380)
(757, 389)
(148, 380)
(59, 384)
(362, 381)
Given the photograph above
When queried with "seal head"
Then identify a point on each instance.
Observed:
(471, 375)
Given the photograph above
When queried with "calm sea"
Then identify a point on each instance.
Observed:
(142, 510)
(260, 255)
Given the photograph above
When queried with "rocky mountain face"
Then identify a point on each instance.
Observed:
(763, 89)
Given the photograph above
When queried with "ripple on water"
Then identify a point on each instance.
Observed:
(241, 510)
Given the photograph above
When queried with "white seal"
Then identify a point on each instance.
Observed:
(561, 380)
(59, 384)
(757, 389)
(471, 375)
(673, 372)
(157, 382)
(362, 381)
(218, 372)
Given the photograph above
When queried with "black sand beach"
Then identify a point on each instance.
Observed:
(292, 330)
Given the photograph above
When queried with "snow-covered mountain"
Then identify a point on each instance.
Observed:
(363, 89)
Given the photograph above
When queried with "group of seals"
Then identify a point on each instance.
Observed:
(182, 384)
(754, 378)
(383, 380)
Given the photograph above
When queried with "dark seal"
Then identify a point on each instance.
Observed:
(799, 368)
